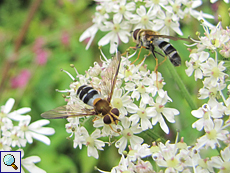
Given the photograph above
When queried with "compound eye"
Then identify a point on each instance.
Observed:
(115, 111)
(135, 33)
(107, 119)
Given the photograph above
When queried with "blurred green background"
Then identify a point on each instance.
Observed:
(38, 38)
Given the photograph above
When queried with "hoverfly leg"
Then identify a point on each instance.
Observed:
(139, 55)
(114, 130)
(156, 67)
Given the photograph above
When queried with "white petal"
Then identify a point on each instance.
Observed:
(163, 125)
(136, 140)
(105, 40)
(92, 151)
(44, 130)
(39, 123)
(41, 138)
(23, 110)
(8, 106)
(31, 159)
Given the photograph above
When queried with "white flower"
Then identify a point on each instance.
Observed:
(156, 5)
(165, 23)
(90, 33)
(139, 151)
(15, 115)
(79, 138)
(143, 115)
(128, 134)
(143, 18)
(118, 30)
(161, 110)
(123, 102)
(35, 130)
(214, 132)
(4, 146)
(205, 113)
(13, 138)
(195, 64)
(93, 143)
(222, 163)
(213, 71)
(191, 5)
(167, 157)
(28, 163)
(124, 9)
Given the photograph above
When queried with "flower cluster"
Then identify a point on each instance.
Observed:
(138, 95)
(212, 115)
(118, 18)
(18, 135)
(169, 157)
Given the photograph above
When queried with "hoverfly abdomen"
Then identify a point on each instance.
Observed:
(87, 94)
(169, 51)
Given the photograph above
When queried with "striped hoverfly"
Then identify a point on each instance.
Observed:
(149, 39)
(88, 95)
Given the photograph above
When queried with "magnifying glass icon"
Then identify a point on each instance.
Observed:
(9, 160)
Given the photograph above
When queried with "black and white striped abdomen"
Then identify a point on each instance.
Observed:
(87, 94)
(169, 51)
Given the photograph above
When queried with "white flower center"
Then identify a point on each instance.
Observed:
(144, 19)
(128, 73)
(116, 27)
(159, 107)
(117, 103)
(211, 134)
(127, 133)
(122, 9)
(14, 137)
(196, 64)
(24, 128)
(2, 115)
(172, 162)
(89, 141)
(156, 1)
(142, 113)
(226, 166)
(141, 89)
(202, 163)
(168, 21)
(102, 11)
(215, 72)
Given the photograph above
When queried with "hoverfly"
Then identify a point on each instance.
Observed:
(150, 39)
(90, 96)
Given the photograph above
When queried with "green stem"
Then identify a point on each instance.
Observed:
(181, 85)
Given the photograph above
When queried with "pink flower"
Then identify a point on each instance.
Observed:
(65, 38)
(41, 57)
(21, 80)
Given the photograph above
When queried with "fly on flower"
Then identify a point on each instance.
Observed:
(149, 39)
(99, 105)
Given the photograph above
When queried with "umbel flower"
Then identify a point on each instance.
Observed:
(12, 135)
(131, 118)
(163, 16)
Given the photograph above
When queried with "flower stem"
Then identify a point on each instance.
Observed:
(181, 85)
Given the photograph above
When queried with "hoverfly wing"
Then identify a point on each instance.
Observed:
(67, 111)
(172, 38)
(110, 76)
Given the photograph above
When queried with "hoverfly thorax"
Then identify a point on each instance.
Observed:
(101, 106)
